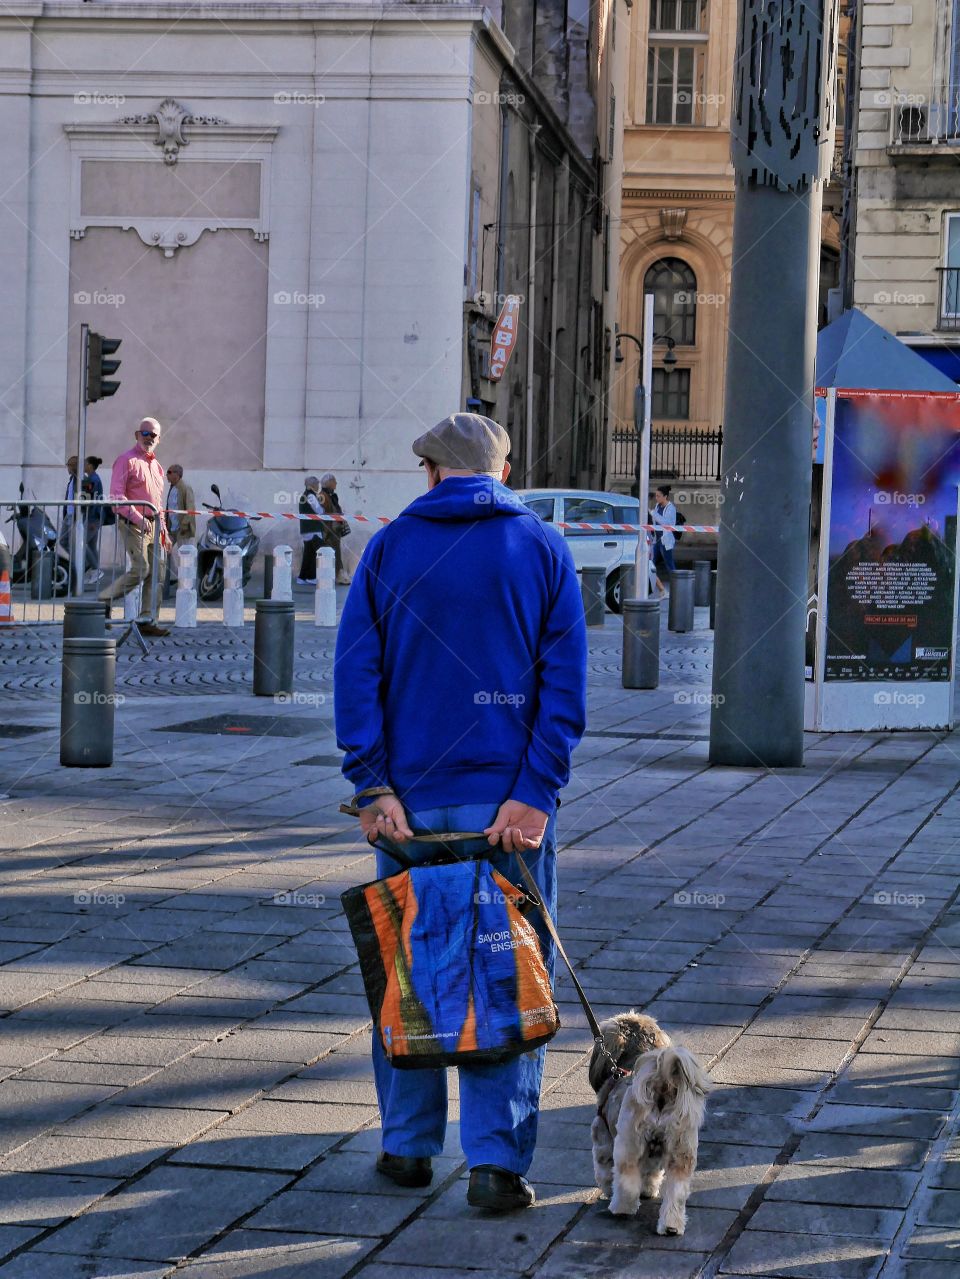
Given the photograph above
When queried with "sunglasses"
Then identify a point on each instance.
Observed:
(149, 435)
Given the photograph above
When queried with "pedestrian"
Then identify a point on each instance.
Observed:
(311, 531)
(460, 676)
(664, 512)
(92, 489)
(656, 587)
(138, 476)
(73, 514)
(181, 526)
(335, 533)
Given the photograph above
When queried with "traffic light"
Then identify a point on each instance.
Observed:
(99, 370)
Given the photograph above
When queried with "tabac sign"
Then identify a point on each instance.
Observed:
(504, 336)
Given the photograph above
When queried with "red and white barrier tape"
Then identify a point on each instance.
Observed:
(388, 519)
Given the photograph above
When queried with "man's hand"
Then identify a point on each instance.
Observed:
(517, 827)
(385, 817)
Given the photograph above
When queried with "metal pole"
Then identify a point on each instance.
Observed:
(641, 583)
(781, 145)
(75, 525)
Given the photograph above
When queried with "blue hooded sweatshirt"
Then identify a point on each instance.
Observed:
(460, 672)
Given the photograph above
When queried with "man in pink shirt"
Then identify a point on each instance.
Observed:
(138, 476)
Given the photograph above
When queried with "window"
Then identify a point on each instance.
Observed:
(542, 506)
(674, 288)
(671, 394)
(675, 61)
(950, 289)
(588, 510)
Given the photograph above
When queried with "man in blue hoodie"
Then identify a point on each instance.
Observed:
(460, 682)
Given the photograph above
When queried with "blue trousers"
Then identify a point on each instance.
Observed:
(499, 1105)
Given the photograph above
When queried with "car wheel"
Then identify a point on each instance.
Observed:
(615, 590)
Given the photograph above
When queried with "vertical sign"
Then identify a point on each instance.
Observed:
(504, 336)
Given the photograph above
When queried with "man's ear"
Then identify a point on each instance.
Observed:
(506, 473)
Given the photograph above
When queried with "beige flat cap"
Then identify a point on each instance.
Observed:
(465, 442)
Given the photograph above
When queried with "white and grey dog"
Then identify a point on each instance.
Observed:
(648, 1121)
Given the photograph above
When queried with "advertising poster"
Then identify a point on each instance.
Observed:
(893, 507)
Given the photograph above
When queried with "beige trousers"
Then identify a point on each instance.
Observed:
(141, 550)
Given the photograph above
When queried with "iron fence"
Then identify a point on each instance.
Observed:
(949, 298)
(676, 453)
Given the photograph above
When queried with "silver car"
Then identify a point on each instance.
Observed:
(592, 548)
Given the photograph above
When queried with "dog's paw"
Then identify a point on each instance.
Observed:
(671, 1226)
(620, 1207)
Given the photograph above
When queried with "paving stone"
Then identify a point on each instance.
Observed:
(850, 1151)
(255, 1254)
(276, 1151)
(203, 1083)
(705, 1228)
(296, 1117)
(299, 1047)
(806, 1064)
(878, 1121)
(942, 1208)
(800, 1256)
(726, 1175)
(518, 1246)
(40, 1199)
(84, 1156)
(127, 1050)
(355, 1172)
(916, 1043)
(185, 1207)
(891, 1080)
(143, 1122)
(56, 1070)
(824, 1219)
(325, 1211)
(826, 1184)
(14, 1237)
(46, 1265)
(625, 1261)
(934, 1243)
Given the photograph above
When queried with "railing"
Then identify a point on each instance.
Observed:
(949, 298)
(919, 118)
(676, 453)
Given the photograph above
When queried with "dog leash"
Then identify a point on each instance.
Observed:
(533, 893)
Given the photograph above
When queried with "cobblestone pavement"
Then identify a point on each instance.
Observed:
(184, 1051)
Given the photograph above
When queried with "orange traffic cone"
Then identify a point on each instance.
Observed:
(6, 603)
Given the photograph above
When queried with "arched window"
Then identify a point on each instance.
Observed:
(674, 288)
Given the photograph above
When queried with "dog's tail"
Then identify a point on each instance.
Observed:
(678, 1068)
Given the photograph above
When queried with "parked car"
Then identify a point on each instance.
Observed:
(592, 548)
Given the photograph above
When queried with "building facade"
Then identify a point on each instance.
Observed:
(301, 220)
(677, 237)
(905, 212)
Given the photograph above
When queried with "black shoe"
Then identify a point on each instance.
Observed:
(148, 628)
(500, 1191)
(405, 1170)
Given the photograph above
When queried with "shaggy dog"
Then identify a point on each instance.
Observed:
(648, 1120)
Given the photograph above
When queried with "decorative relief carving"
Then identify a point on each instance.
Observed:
(170, 118)
(672, 221)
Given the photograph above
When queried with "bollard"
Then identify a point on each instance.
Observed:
(593, 588)
(701, 582)
(282, 573)
(84, 619)
(680, 615)
(186, 587)
(640, 666)
(232, 586)
(325, 599)
(267, 576)
(273, 648)
(131, 604)
(41, 576)
(88, 702)
(713, 599)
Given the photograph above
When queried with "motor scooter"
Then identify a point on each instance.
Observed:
(222, 531)
(38, 538)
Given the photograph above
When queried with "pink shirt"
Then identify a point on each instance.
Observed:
(137, 477)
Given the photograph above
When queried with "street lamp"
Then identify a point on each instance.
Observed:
(640, 394)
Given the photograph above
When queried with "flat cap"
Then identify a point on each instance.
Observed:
(465, 442)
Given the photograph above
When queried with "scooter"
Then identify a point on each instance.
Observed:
(38, 538)
(222, 531)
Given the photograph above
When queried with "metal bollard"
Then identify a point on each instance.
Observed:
(232, 586)
(282, 572)
(680, 615)
(273, 648)
(325, 599)
(593, 588)
(640, 667)
(41, 576)
(88, 702)
(267, 576)
(701, 582)
(84, 619)
(713, 599)
(186, 587)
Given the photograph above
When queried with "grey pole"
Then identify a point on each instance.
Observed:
(782, 130)
(593, 588)
(701, 582)
(84, 619)
(641, 644)
(680, 611)
(41, 574)
(273, 648)
(87, 702)
(268, 575)
(713, 600)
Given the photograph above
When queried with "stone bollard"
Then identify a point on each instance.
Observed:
(273, 648)
(88, 702)
(593, 588)
(640, 667)
(713, 599)
(232, 586)
(84, 619)
(701, 583)
(186, 587)
(131, 604)
(325, 599)
(282, 573)
(680, 615)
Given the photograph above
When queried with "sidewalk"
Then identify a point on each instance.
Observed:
(184, 1063)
